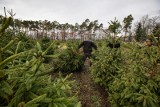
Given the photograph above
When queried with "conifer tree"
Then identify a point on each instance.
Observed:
(140, 33)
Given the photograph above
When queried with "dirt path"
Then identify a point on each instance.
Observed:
(89, 93)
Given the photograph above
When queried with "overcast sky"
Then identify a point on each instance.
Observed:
(72, 11)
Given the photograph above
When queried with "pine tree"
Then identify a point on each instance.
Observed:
(156, 31)
(26, 83)
(140, 33)
(127, 24)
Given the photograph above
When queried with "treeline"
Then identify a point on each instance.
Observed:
(37, 29)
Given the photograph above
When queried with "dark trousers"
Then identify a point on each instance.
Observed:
(87, 55)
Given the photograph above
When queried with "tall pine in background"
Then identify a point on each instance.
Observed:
(140, 33)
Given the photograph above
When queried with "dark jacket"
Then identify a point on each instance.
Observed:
(87, 46)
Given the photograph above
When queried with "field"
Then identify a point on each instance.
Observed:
(51, 73)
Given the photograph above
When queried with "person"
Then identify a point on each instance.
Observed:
(87, 48)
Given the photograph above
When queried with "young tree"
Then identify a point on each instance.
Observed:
(114, 27)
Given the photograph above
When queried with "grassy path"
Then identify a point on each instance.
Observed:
(89, 93)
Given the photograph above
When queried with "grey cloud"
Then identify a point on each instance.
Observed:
(73, 11)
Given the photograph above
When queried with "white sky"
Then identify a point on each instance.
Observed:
(72, 11)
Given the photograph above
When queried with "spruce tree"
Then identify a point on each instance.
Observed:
(140, 33)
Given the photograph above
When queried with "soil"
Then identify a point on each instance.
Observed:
(89, 93)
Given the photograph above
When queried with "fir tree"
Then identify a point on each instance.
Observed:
(140, 33)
